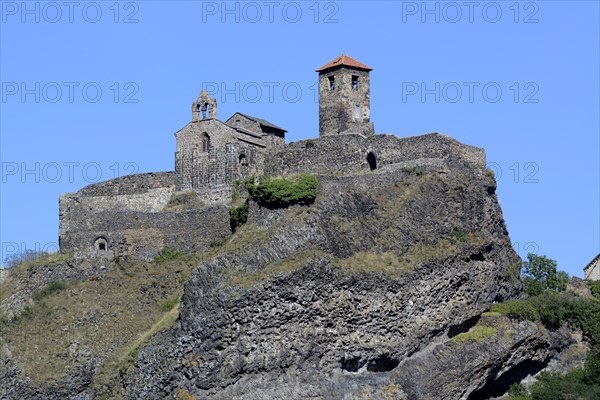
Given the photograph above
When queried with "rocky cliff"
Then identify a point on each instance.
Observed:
(374, 291)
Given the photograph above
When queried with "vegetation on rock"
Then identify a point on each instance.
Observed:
(283, 192)
(553, 307)
(239, 215)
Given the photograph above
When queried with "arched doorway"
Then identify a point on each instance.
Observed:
(372, 160)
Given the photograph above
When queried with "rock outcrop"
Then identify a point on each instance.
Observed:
(343, 296)
(371, 292)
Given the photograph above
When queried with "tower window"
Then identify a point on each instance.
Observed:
(243, 163)
(331, 83)
(357, 112)
(354, 82)
(237, 123)
(205, 142)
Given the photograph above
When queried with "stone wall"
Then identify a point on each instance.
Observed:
(592, 270)
(131, 184)
(143, 234)
(128, 215)
(229, 157)
(344, 108)
(349, 153)
(245, 123)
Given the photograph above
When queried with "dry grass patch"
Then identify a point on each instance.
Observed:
(281, 267)
(97, 316)
(393, 264)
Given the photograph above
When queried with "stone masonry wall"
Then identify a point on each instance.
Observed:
(227, 159)
(348, 153)
(337, 107)
(245, 123)
(592, 273)
(143, 234)
(128, 213)
(131, 184)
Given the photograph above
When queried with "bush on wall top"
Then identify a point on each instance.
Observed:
(282, 192)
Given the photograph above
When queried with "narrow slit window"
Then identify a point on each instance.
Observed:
(354, 82)
(332, 83)
(205, 142)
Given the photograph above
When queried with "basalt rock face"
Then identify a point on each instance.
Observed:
(345, 298)
(374, 291)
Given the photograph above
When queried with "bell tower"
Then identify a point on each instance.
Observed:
(344, 98)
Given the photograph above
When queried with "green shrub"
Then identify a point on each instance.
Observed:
(169, 304)
(516, 391)
(558, 387)
(591, 374)
(595, 288)
(217, 243)
(309, 143)
(168, 254)
(284, 192)
(459, 234)
(49, 289)
(238, 215)
(235, 196)
(518, 309)
(553, 310)
(556, 309)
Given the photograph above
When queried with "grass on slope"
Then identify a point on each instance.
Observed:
(25, 267)
(94, 316)
(110, 317)
(392, 264)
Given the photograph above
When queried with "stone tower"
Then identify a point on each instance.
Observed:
(344, 97)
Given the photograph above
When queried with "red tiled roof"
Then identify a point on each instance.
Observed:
(346, 61)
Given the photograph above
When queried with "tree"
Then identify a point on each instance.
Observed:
(540, 275)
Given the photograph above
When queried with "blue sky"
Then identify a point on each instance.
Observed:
(94, 90)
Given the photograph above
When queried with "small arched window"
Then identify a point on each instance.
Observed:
(243, 161)
(205, 142)
(101, 244)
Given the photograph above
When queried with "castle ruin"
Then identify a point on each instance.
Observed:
(188, 209)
